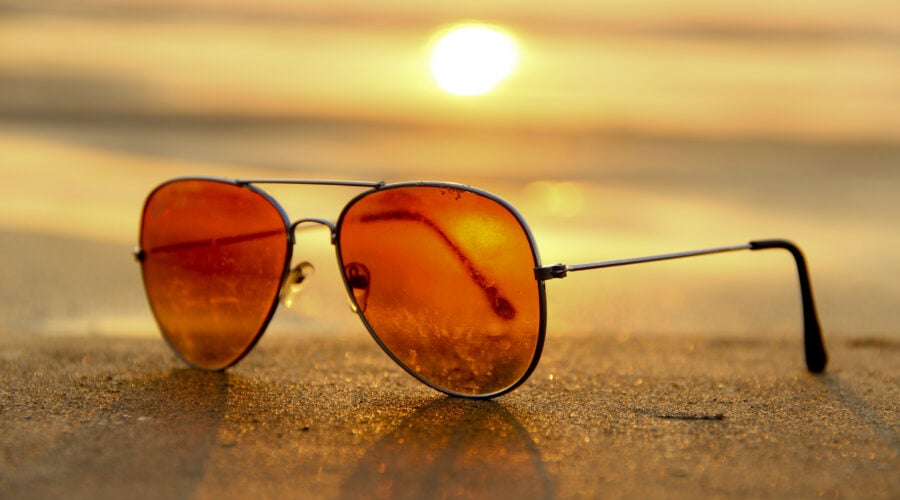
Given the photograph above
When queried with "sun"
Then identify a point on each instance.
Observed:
(472, 59)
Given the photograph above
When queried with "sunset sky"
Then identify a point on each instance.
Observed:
(808, 70)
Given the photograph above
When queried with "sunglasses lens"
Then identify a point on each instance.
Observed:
(444, 279)
(214, 257)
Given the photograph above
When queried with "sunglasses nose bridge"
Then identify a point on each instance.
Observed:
(299, 274)
(309, 223)
(313, 220)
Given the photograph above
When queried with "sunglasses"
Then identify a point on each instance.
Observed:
(446, 277)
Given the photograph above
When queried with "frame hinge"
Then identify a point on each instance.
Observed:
(551, 272)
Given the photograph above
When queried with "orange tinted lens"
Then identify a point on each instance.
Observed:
(444, 277)
(214, 257)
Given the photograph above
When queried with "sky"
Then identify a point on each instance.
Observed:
(803, 70)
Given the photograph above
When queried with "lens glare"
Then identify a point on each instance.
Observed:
(214, 257)
(444, 278)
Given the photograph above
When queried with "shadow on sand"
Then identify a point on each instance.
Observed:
(453, 448)
(161, 437)
(155, 440)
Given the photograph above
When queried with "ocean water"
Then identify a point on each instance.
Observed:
(628, 129)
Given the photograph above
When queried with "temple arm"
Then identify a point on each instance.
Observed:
(816, 358)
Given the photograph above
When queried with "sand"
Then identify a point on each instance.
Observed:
(90, 417)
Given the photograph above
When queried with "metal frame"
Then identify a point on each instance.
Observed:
(816, 357)
(814, 345)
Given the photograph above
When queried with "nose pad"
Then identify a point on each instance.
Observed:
(357, 276)
(293, 285)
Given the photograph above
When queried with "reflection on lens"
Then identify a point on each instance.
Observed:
(450, 288)
(214, 257)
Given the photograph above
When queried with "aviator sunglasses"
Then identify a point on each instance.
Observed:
(446, 277)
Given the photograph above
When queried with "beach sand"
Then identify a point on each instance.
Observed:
(675, 417)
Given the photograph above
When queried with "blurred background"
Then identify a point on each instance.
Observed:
(625, 128)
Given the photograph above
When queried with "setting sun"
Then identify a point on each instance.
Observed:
(471, 59)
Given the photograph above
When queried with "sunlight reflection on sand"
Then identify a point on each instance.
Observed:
(100, 198)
